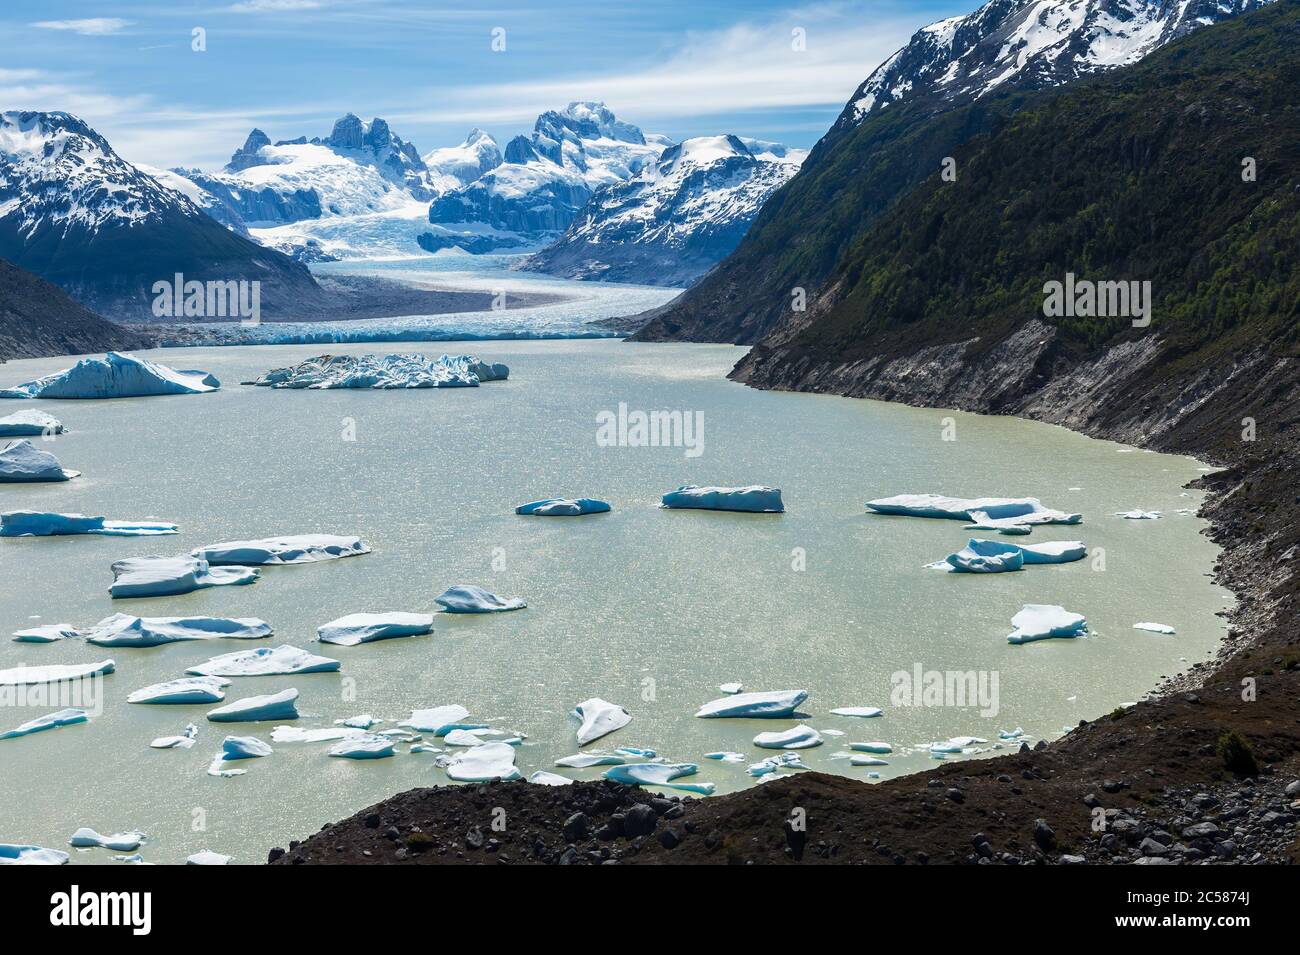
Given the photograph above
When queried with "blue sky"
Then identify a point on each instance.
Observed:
(680, 67)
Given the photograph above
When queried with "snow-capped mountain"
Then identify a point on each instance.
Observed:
(454, 166)
(1038, 43)
(80, 216)
(545, 179)
(674, 220)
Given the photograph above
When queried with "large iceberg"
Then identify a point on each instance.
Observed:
(466, 598)
(756, 498)
(54, 673)
(31, 855)
(21, 462)
(363, 747)
(994, 513)
(986, 556)
(257, 709)
(1043, 621)
(481, 764)
(440, 720)
(599, 719)
(385, 371)
(659, 774)
(563, 507)
(115, 376)
(50, 524)
(797, 737)
(29, 422)
(265, 661)
(358, 628)
(300, 549)
(192, 689)
(49, 721)
(124, 630)
(168, 576)
(766, 705)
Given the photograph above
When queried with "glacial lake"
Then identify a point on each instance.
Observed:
(648, 608)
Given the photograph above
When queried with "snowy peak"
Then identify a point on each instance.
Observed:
(702, 151)
(479, 153)
(1037, 43)
(586, 121)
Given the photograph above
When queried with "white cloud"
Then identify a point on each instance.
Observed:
(95, 26)
(273, 6)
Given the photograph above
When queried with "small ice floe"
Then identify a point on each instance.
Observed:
(724, 756)
(363, 747)
(994, 513)
(47, 633)
(21, 462)
(51, 524)
(184, 741)
(659, 774)
(797, 737)
(480, 764)
(133, 859)
(754, 499)
(31, 855)
(169, 576)
(440, 720)
(866, 712)
(867, 761)
(543, 778)
(470, 737)
(357, 628)
(1014, 734)
(957, 745)
(399, 735)
(1139, 515)
(593, 758)
(54, 673)
(243, 747)
(191, 689)
(731, 689)
(363, 721)
(86, 838)
(766, 767)
(769, 704)
(563, 507)
(424, 748)
(986, 556)
(257, 709)
(385, 372)
(1044, 621)
(324, 734)
(466, 598)
(125, 630)
(49, 721)
(265, 661)
(116, 375)
(29, 423)
(871, 747)
(1154, 627)
(599, 718)
(299, 549)
(207, 857)
(636, 752)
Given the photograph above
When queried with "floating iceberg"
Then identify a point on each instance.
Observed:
(115, 376)
(867, 761)
(986, 556)
(28, 423)
(797, 737)
(439, 720)
(766, 705)
(243, 747)
(363, 747)
(256, 709)
(31, 855)
(86, 838)
(466, 598)
(765, 767)
(124, 630)
(21, 462)
(324, 734)
(207, 857)
(357, 628)
(361, 722)
(54, 673)
(169, 576)
(543, 778)
(659, 774)
(586, 760)
(468, 737)
(599, 718)
(1139, 515)
(1154, 627)
(731, 688)
(863, 711)
(481, 764)
(300, 549)
(49, 721)
(995, 513)
(726, 756)
(871, 747)
(385, 371)
(47, 633)
(265, 661)
(49, 524)
(1043, 621)
(563, 507)
(755, 499)
(193, 689)
(184, 741)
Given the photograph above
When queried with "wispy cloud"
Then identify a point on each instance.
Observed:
(273, 6)
(94, 26)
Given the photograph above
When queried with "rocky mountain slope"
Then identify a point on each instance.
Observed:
(75, 213)
(39, 319)
(897, 130)
(674, 220)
